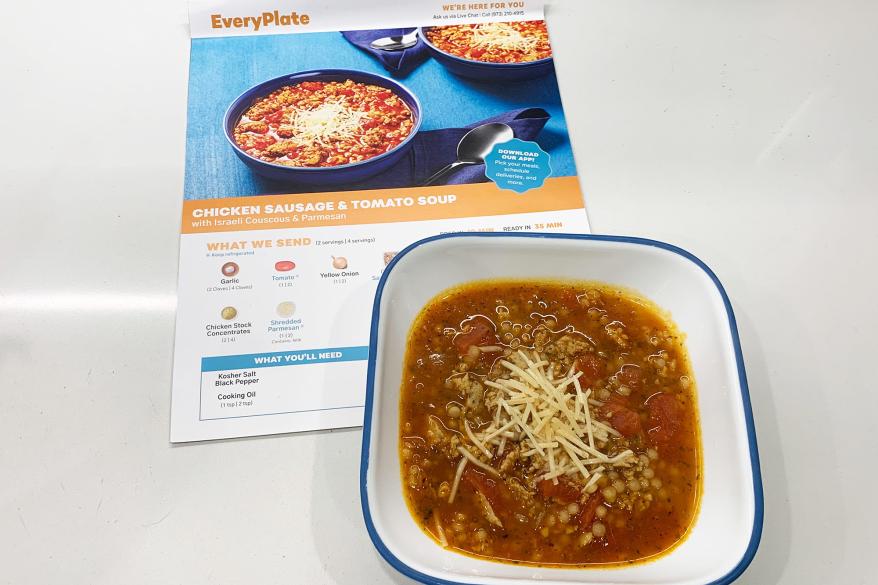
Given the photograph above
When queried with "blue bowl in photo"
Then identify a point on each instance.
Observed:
(484, 70)
(319, 176)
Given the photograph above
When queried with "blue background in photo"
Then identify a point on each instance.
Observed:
(221, 69)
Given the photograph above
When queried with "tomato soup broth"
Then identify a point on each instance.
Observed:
(552, 423)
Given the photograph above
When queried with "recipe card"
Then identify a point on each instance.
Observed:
(321, 141)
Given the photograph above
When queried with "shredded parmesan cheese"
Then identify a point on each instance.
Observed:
(608, 429)
(502, 445)
(502, 36)
(474, 460)
(584, 401)
(594, 478)
(457, 476)
(499, 431)
(328, 122)
(551, 417)
(475, 440)
(440, 532)
(573, 457)
(525, 427)
(490, 348)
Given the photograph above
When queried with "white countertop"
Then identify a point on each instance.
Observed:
(746, 132)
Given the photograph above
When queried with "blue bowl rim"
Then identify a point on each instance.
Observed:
(522, 65)
(328, 72)
(759, 502)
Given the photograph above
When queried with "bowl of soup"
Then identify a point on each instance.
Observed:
(323, 127)
(492, 51)
(557, 408)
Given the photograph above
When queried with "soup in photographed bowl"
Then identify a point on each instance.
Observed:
(493, 42)
(549, 423)
(324, 124)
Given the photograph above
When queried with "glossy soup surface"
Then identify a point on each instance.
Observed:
(549, 423)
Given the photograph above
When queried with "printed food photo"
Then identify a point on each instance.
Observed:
(324, 124)
(323, 127)
(497, 51)
(494, 42)
(326, 111)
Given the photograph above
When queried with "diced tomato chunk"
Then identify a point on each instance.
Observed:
(593, 368)
(262, 142)
(311, 85)
(562, 492)
(622, 418)
(480, 331)
(587, 513)
(630, 375)
(664, 418)
(275, 117)
(476, 52)
(617, 400)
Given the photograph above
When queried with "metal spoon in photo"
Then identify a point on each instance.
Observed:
(474, 147)
(396, 42)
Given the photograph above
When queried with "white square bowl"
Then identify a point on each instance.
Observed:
(726, 533)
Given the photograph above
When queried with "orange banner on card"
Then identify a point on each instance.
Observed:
(265, 212)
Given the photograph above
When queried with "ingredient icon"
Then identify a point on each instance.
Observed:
(229, 313)
(284, 265)
(286, 309)
(230, 269)
(339, 262)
